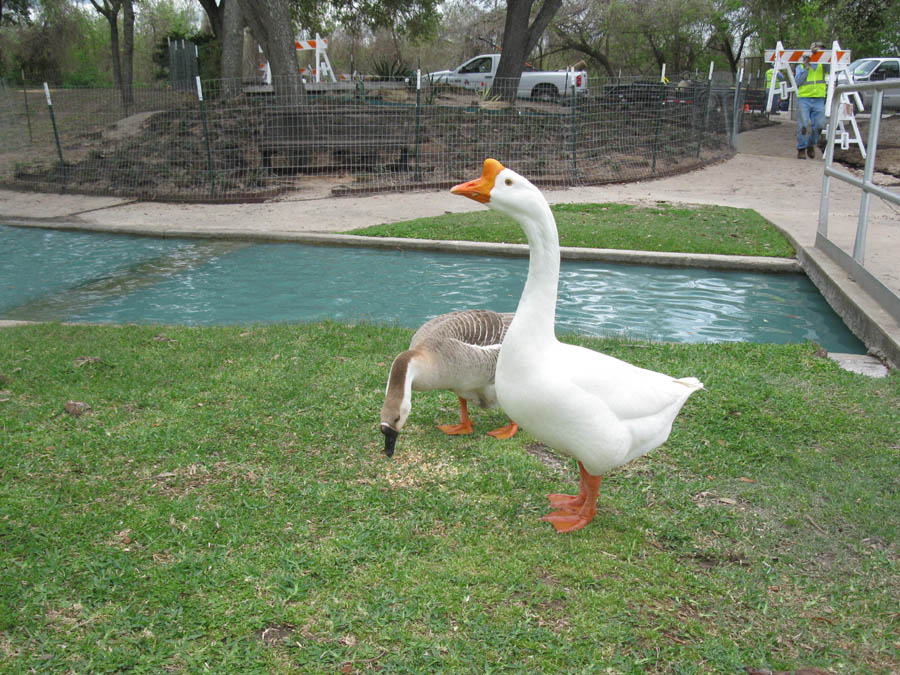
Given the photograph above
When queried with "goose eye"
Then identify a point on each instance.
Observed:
(508, 181)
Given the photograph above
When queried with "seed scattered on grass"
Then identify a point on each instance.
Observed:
(273, 635)
(705, 498)
(77, 408)
(82, 360)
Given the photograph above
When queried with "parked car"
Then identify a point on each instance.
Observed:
(876, 69)
(478, 74)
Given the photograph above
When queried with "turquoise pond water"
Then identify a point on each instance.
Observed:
(51, 275)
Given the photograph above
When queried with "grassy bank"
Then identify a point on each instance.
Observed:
(224, 503)
(664, 227)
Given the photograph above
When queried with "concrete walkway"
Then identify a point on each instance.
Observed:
(765, 175)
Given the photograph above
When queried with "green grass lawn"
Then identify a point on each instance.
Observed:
(224, 504)
(664, 227)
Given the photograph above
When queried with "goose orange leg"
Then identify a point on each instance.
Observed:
(508, 431)
(465, 424)
(574, 516)
(571, 502)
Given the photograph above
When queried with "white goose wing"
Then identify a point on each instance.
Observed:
(629, 392)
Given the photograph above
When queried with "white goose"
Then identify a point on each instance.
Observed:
(602, 411)
(456, 351)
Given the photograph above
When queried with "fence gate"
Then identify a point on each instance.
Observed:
(183, 68)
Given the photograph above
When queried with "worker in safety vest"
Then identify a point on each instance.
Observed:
(776, 99)
(812, 88)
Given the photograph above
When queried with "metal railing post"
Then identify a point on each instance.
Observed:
(62, 164)
(416, 176)
(859, 245)
(822, 228)
(736, 110)
(27, 111)
(854, 264)
(706, 110)
(659, 108)
(574, 134)
(209, 164)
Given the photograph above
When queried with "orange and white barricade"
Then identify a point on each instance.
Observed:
(322, 67)
(785, 60)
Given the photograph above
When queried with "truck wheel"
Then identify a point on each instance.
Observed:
(545, 92)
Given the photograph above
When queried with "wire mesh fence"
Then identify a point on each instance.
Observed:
(248, 143)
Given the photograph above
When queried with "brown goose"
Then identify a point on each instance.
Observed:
(456, 351)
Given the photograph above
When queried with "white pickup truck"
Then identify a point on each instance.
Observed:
(478, 74)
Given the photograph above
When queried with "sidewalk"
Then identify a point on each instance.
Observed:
(765, 175)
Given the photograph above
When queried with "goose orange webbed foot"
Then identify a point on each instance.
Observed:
(508, 431)
(566, 502)
(575, 511)
(456, 429)
(465, 424)
(574, 502)
(566, 521)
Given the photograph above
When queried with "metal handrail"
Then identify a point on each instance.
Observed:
(855, 265)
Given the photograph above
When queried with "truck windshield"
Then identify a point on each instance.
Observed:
(862, 67)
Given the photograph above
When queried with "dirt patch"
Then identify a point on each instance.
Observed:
(127, 127)
(887, 159)
(276, 635)
(549, 458)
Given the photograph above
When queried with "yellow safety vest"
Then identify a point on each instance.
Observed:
(815, 85)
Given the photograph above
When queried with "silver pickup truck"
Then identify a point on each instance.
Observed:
(478, 74)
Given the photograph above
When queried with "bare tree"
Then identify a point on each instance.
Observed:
(122, 53)
(110, 9)
(520, 37)
(586, 29)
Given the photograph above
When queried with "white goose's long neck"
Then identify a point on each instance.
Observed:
(536, 314)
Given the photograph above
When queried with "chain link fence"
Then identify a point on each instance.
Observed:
(252, 142)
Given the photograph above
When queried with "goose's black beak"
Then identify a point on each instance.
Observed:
(390, 439)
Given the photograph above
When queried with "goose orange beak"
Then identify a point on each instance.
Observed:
(480, 188)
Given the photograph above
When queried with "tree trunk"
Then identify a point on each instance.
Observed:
(232, 40)
(114, 51)
(216, 15)
(271, 25)
(519, 39)
(127, 54)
